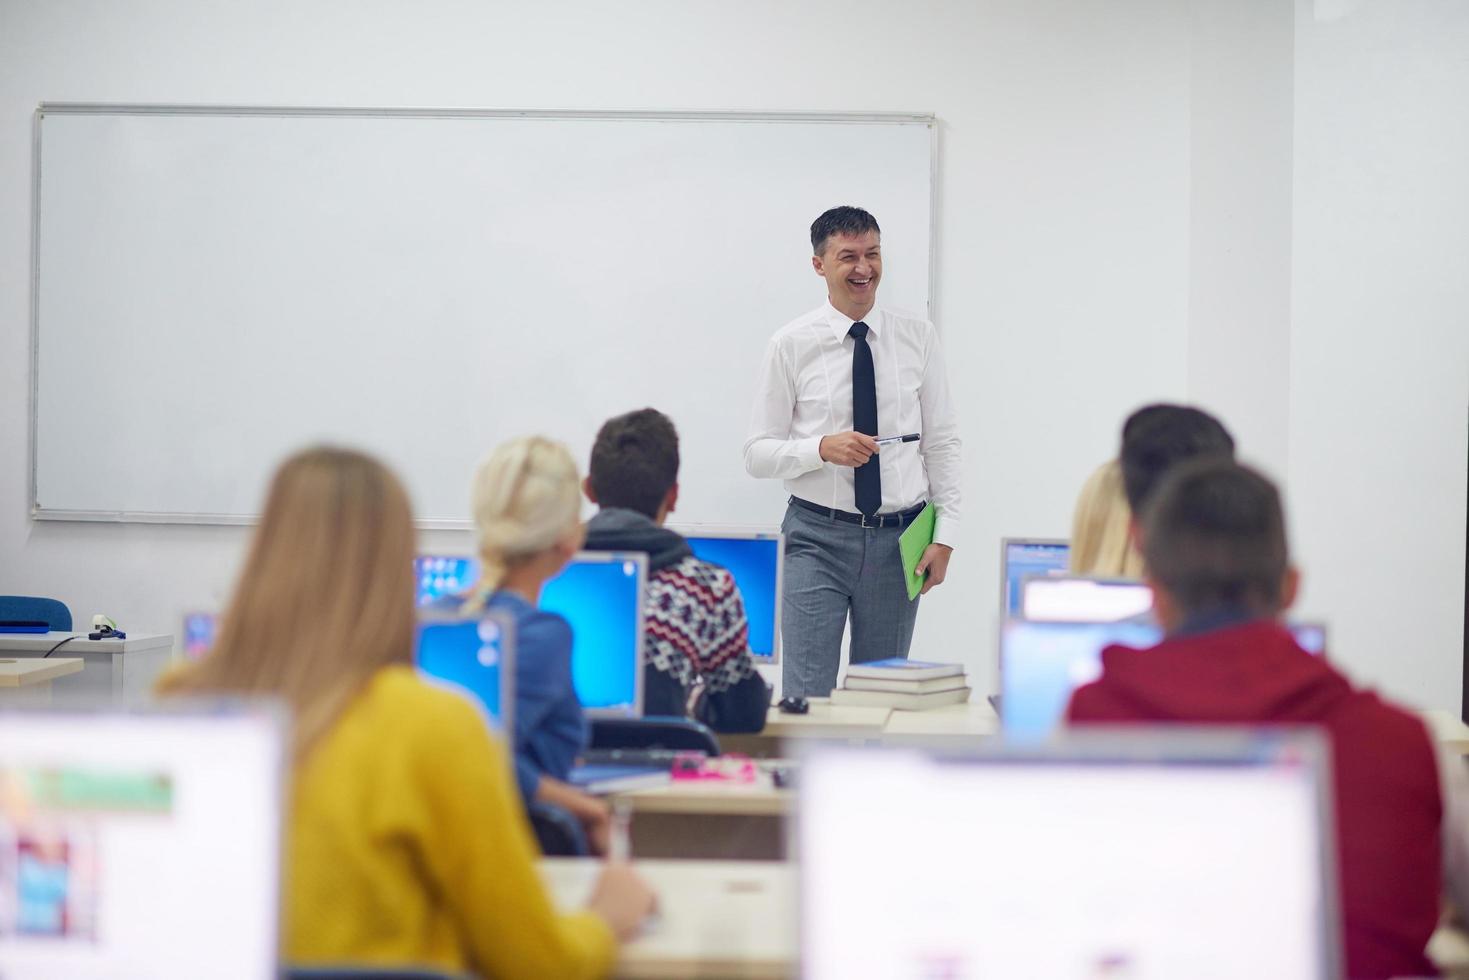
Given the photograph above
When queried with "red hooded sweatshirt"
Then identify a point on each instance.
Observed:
(1385, 774)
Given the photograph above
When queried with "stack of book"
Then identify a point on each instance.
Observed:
(908, 685)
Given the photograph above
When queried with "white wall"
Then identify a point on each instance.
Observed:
(1063, 228)
(1088, 150)
(1379, 381)
(1239, 221)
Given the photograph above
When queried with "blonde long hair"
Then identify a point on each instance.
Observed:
(1100, 540)
(326, 596)
(526, 497)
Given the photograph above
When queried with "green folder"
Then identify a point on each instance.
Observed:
(911, 545)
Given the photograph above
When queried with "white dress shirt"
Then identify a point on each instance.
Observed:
(804, 392)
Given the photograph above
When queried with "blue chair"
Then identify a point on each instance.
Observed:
(35, 609)
(654, 732)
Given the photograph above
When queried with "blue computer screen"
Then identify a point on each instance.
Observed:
(465, 654)
(1029, 559)
(755, 565)
(1042, 663)
(441, 575)
(199, 631)
(603, 602)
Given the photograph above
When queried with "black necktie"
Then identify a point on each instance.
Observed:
(867, 479)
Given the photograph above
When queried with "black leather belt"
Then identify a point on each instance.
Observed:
(900, 519)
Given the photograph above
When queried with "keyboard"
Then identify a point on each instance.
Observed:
(648, 758)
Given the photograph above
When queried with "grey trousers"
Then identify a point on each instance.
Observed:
(833, 570)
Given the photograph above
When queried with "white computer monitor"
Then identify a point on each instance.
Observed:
(1042, 663)
(756, 559)
(140, 843)
(601, 594)
(1021, 558)
(1137, 855)
(1083, 599)
(473, 655)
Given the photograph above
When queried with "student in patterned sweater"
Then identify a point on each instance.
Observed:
(697, 638)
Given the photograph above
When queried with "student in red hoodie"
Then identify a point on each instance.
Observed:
(1213, 539)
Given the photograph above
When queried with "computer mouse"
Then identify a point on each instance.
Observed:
(794, 706)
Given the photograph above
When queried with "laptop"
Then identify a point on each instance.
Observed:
(473, 655)
(1042, 663)
(756, 559)
(1130, 854)
(141, 843)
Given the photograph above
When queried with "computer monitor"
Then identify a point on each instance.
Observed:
(756, 560)
(601, 594)
(474, 655)
(1137, 855)
(198, 635)
(1042, 663)
(1080, 599)
(1023, 557)
(140, 843)
(436, 576)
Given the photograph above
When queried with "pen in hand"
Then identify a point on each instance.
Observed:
(888, 440)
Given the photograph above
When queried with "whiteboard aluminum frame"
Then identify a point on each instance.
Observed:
(40, 513)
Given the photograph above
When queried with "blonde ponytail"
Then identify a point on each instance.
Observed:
(525, 498)
(1101, 541)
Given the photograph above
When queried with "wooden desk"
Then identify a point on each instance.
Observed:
(27, 680)
(710, 820)
(962, 724)
(716, 918)
(1451, 734)
(116, 670)
(824, 720)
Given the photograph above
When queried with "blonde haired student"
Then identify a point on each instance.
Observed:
(405, 843)
(1101, 538)
(526, 500)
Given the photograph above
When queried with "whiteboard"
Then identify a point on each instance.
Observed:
(217, 287)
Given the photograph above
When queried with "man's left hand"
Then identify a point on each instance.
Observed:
(935, 563)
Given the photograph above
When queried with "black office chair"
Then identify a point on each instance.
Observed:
(654, 732)
(35, 609)
(557, 831)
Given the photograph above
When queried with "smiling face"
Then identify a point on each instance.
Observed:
(852, 267)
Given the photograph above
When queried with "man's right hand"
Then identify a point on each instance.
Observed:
(848, 448)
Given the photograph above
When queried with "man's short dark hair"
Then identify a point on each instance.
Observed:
(845, 220)
(1214, 537)
(1158, 437)
(635, 461)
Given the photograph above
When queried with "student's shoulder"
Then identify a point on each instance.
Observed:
(399, 698)
(695, 574)
(531, 623)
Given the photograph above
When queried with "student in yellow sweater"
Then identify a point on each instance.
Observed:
(406, 843)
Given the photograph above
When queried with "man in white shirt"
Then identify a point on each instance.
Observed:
(836, 383)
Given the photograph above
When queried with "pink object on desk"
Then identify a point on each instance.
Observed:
(732, 768)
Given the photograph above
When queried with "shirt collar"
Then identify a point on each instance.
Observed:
(1218, 618)
(841, 323)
